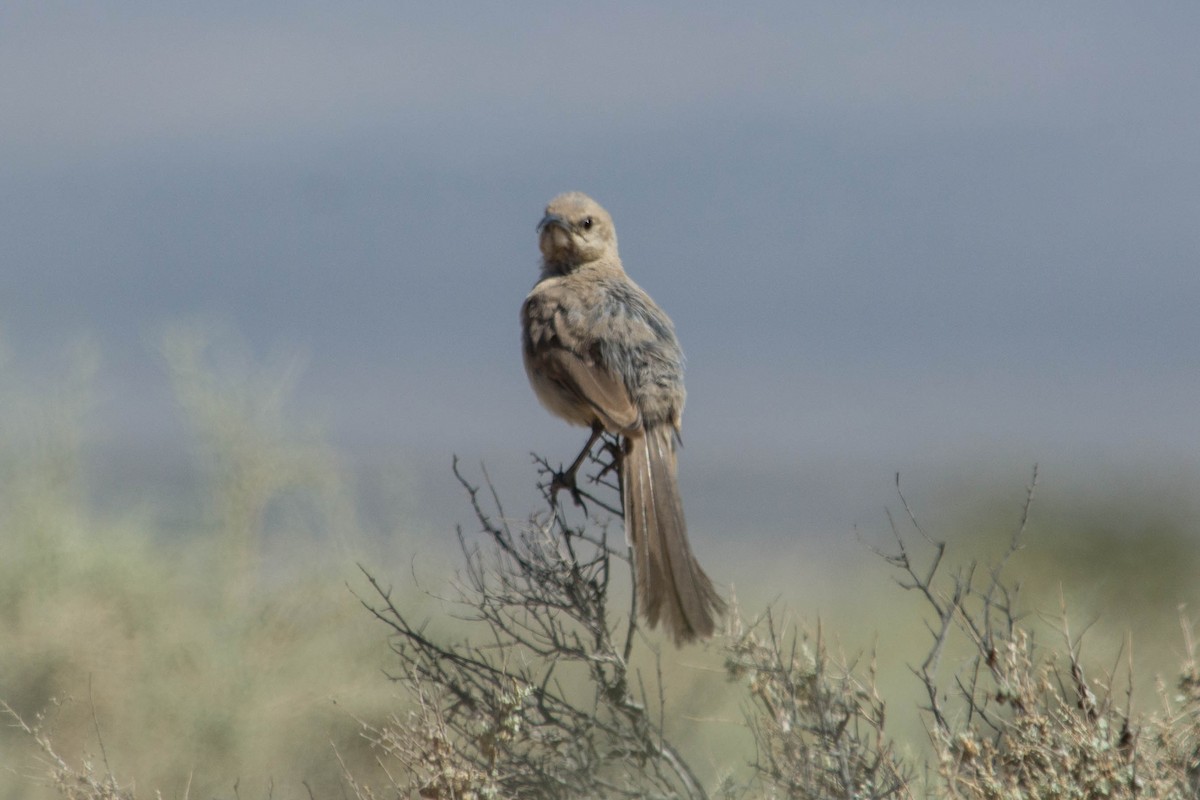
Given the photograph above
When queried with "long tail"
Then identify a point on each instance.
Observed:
(671, 586)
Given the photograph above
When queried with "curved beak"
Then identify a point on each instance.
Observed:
(552, 219)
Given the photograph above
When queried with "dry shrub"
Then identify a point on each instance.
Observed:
(539, 696)
(1017, 719)
(543, 701)
(818, 725)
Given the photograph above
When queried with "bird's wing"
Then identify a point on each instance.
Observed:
(603, 390)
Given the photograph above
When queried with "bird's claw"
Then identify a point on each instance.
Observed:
(614, 452)
(560, 480)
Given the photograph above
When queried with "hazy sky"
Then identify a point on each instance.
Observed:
(891, 235)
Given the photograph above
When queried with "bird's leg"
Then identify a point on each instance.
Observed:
(565, 479)
(612, 445)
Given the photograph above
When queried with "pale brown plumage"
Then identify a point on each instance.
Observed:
(598, 351)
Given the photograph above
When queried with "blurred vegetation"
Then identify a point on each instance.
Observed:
(228, 659)
(1122, 556)
(208, 657)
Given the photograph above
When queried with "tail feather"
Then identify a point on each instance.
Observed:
(671, 586)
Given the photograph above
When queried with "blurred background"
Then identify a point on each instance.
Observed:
(261, 267)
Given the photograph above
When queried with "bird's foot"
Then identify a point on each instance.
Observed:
(612, 447)
(565, 479)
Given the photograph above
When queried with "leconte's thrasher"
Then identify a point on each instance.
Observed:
(600, 353)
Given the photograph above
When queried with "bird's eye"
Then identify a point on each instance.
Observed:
(587, 223)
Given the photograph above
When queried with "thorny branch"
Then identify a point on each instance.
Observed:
(1015, 725)
(606, 456)
(986, 614)
(543, 704)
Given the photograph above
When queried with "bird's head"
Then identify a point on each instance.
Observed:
(576, 230)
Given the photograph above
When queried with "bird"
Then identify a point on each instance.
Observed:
(600, 353)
